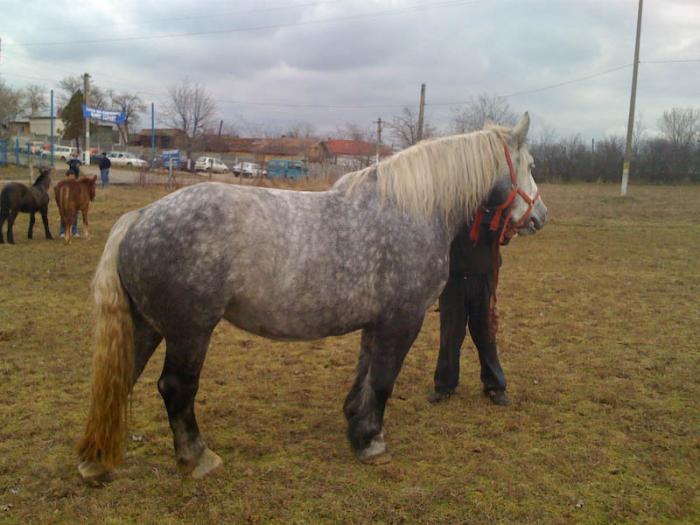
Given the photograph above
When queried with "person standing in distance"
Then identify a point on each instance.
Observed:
(105, 165)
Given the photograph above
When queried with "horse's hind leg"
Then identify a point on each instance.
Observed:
(10, 224)
(178, 385)
(85, 223)
(146, 340)
(32, 220)
(381, 356)
(45, 219)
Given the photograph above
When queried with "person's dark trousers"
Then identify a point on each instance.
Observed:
(104, 175)
(466, 301)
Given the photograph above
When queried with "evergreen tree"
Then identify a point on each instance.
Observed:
(72, 116)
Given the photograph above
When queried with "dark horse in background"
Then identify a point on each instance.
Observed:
(16, 197)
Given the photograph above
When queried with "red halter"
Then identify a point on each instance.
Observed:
(509, 227)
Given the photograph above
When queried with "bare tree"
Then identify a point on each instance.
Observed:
(190, 109)
(300, 130)
(352, 131)
(404, 128)
(131, 105)
(34, 99)
(481, 109)
(10, 103)
(71, 85)
(680, 125)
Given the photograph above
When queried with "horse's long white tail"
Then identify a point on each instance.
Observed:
(113, 361)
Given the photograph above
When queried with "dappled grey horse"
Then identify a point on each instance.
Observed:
(371, 253)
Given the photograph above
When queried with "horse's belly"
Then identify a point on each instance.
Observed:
(291, 325)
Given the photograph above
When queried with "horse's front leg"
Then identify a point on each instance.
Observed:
(178, 386)
(45, 219)
(32, 220)
(381, 357)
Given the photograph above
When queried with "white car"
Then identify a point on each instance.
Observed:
(210, 164)
(124, 158)
(59, 152)
(248, 169)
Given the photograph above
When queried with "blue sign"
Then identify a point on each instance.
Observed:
(171, 155)
(115, 117)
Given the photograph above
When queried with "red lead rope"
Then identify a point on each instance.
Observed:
(508, 226)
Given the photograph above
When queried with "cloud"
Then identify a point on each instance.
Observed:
(275, 63)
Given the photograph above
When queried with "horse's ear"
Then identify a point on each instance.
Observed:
(521, 128)
(94, 178)
(488, 123)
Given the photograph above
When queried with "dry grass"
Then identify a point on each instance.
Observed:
(599, 342)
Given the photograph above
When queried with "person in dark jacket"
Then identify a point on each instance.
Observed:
(467, 301)
(105, 164)
(74, 165)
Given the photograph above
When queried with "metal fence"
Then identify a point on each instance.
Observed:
(3, 153)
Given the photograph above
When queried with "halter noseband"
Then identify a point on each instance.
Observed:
(509, 227)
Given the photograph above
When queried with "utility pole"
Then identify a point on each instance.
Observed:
(153, 134)
(53, 138)
(379, 123)
(421, 111)
(630, 122)
(86, 90)
(221, 125)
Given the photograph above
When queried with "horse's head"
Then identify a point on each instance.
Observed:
(43, 181)
(515, 191)
(91, 184)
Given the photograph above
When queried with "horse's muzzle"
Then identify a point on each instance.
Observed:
(536, 220)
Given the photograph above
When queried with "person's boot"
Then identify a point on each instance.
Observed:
(498, 397)
(437, 397)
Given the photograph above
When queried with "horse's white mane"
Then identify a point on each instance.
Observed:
(448, 176)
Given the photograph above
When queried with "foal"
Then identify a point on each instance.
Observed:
(16, 198)
(73, 196)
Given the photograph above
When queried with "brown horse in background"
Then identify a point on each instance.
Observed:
(73, 196)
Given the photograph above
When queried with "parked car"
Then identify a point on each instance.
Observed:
(287, 169)
(248, 169)
(210, 164)
(126, 159)
(59, 152)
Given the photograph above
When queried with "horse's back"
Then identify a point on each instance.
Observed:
(16, 196)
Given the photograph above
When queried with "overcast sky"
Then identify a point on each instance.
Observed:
(273, 63)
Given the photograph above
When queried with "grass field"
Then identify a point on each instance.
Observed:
(599, 340)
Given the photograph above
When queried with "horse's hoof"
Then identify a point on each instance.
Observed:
(207, 463)
(94, 473)
(376, 453)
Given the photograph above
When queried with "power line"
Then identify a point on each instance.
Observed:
(212, 16)
(542, 88)
(362, 16)
(287, 104)
(682, 60)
